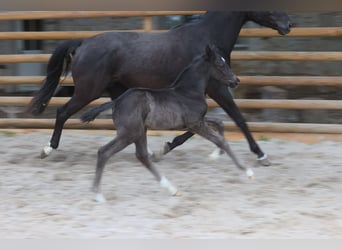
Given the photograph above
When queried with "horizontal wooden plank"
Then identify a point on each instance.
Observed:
(247, 32)
(295, 32)
(291, 80)
(229, 126)
(288, 55)
(242, 103)
(236, 55)
(27, 58)
(245, 80)
(28, 15)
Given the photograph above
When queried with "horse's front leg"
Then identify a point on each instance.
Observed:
(220, 93)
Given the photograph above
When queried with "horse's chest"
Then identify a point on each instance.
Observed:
(163, 116)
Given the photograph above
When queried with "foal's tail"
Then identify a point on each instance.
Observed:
(62, 55)
(91, 114)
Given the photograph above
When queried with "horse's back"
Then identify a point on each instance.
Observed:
(133, 59)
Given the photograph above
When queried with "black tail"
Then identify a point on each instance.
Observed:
(54, 71)
(91, 114)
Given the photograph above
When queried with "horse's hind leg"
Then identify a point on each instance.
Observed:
(143, 156)
(168, 146)
(177, 141)
(204, 131)
(103, 154)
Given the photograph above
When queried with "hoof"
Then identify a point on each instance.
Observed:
(45, 152)
(100, 198)
(166, 148)
(156, 157)
(264, 160)
(177, 194)
(250, 174)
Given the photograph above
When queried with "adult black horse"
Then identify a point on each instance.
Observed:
(116, 61)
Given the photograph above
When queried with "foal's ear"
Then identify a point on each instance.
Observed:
(208, 52)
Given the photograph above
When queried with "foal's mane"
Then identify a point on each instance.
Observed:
(186, 69)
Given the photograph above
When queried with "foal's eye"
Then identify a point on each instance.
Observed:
(221, 61)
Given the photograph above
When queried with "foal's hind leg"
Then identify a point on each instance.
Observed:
(103, 154)
(204, 131)
(143, 156)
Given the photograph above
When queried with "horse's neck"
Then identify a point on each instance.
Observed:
(224, 28)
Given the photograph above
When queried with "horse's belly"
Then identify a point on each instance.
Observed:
(164, 120)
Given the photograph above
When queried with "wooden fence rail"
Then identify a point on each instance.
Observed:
(22, 15)
(229, 126)
(236, 55)
(245, 80)
(250, 32)
(242, 103)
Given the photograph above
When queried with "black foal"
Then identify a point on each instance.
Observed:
(181, 106)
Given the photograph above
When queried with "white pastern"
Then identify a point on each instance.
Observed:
(100, 198)
(215, 154)
(264, 157)
(47, 149)
(250, 173)
(167, 185)
(149, 151)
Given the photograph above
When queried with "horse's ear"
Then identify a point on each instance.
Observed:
(208, 52)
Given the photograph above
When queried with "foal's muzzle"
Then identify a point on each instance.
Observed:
(233, 83)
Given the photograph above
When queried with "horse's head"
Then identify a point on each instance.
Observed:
(219, 69)
(277, 20)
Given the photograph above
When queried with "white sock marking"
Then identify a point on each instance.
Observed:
(167, 185)
(149, 151)
(262, 157)
(47, 149)
(100, 198)
(215, 154)
(250, 173)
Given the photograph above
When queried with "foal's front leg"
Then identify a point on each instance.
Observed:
(220, 93)
(103, 154)
(203, 130)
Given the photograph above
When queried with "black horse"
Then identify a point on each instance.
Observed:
(180, 106)
(116, 61)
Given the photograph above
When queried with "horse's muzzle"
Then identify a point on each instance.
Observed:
(285, 29)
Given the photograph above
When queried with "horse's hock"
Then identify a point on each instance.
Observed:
(275, 72)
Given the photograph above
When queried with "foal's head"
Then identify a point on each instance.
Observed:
(277, 20)
(219, 69)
